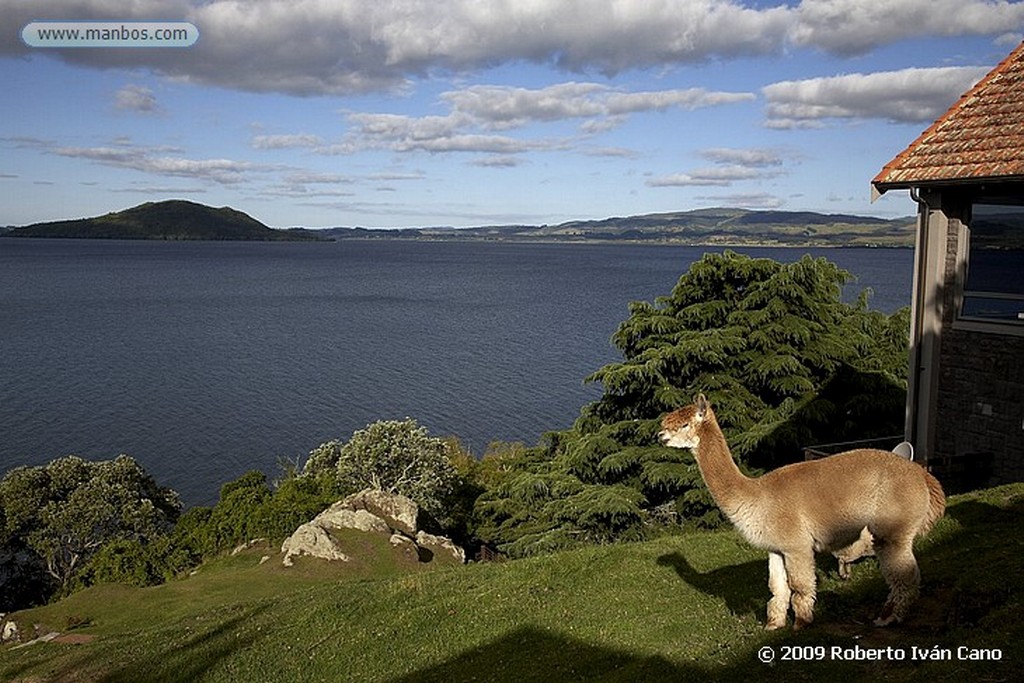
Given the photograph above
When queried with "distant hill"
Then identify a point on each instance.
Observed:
(698, 227)
(167, 220)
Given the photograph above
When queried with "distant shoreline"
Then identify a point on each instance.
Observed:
(479, 240)
(173, 220)
(632, 242)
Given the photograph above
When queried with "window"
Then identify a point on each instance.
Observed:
(994, 288)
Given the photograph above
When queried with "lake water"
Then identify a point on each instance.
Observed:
(204, 360)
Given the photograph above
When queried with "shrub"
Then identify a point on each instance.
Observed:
(393, 456)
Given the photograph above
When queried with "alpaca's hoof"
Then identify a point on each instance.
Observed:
(775, 625)
(887, 617)
(800, 623)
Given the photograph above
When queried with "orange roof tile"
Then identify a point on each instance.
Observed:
(981, 137)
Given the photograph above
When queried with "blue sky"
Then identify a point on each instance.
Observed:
(398, 113)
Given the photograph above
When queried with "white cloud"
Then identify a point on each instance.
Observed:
(149, 160)
(718, 176)
(397, 175)
(286, 141)
(311, 47)
(503, 107)
(136, 98)
(477, 112)
(604, 35)
(756, 200)
(905, 96)
(401, 133)
(498, 161)
(611, 152)
(758, 158)
(160, 190)
(849, 27)
(316, 178)
(733, 165)
(346, 46)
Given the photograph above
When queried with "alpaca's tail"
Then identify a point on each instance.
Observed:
(936, 503)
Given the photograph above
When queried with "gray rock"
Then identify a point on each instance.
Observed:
(396, 510)
(9, 633)
(313, 540)
(369, 511)
(340, 516)
(440, 544)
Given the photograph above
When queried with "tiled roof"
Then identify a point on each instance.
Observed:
(981, 137)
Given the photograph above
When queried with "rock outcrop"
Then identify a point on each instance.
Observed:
(374, 512)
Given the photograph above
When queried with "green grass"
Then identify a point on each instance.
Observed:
(688, 607)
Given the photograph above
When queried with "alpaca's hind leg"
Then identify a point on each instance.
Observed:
(896, 559)
(802, 583)
(778, 583)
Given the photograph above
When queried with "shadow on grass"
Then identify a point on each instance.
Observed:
(743, 587)
(530, 654)
(193, 657)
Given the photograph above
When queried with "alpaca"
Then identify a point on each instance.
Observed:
(864, 546)
(816, 506)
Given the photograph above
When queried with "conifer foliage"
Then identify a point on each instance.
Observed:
(785, 360)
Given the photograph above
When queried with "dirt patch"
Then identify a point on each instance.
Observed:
(74, 638)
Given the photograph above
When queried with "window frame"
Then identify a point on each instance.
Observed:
(988, 324)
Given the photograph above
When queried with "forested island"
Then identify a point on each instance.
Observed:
(184, 220)
(167, 220)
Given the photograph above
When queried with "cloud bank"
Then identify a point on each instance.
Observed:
(904, 96)
(332, 47)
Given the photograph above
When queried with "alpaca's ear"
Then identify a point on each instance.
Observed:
(702, 404)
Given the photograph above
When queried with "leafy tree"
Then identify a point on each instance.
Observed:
(236, 518)
(247, 509)
(786, 362)
(66, 511)
(136, 562)
(393, 456)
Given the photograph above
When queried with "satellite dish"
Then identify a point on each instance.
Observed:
(904, 449)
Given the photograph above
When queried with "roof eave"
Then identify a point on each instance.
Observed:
(878, 188)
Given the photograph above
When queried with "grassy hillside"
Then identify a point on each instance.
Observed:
(688, 607)
(167, 220)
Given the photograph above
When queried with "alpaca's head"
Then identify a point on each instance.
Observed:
(679, 428)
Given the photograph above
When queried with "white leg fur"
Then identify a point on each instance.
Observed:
(778, 583)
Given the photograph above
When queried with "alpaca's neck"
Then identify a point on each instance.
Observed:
(730, 488)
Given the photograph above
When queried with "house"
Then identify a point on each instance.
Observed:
(965, 402)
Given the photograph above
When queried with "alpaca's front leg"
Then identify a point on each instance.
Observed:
(778, 583)
(803, 584)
